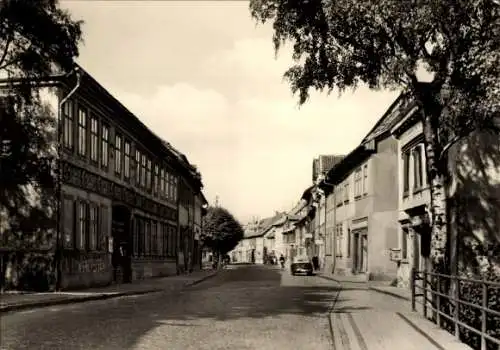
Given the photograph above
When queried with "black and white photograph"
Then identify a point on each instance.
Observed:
(250, 174)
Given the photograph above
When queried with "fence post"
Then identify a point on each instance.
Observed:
(438, 300)
(413, 279)
(484, 304)
(456, 312)
(424, 285)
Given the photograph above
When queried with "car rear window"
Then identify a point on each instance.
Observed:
(301, 260)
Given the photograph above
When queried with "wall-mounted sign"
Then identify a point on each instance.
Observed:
(395, 254)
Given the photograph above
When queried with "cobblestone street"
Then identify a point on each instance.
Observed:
(244, 307)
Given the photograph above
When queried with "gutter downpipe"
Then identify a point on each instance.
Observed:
(60, 123)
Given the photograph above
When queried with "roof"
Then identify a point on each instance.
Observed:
(293, 217)
(338, 172)
(307, 193)
(264, 225)
(121, 113)
(393, 115)
(323, 163)
(396, 112)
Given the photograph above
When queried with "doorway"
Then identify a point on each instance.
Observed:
(360, 250)
(122, 253)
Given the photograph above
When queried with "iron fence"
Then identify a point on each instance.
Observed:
(451, 303)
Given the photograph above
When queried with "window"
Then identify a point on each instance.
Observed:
(82, 132)
(357, 183)
(135, 243)
(143, 170)
(140, 236)
(156, 184)
(147, 238)
(105, 145)
(404, 243)
(126, 160)
(346, 192)
(148, 174)
(68, 124)
(102, 238)
(417, 168)
(137, 167)
(406, 172)
(339, 240)
(365, 179)
(154, 238)
(82, 226)
(118, 154)
(93, 227)
(174, 193)
(348, 243)
(338, 195)
(94, 139)
(169, 187)
(170, 240)
(163, 183)
(165, 229)
(159, 238)
(69, 222)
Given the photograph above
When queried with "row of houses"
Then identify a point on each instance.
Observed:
(366, 215)
(131, 204)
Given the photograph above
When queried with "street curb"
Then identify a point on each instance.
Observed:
(421, 331)
(77, 300)
(44, 303)
(395, 295)
(340, 282)
(203, 279)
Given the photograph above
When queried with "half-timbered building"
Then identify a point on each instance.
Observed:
(119, 188)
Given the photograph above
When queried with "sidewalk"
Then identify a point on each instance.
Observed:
(362, 320)
(15, 301)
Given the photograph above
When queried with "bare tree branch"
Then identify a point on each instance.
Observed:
(6, 50)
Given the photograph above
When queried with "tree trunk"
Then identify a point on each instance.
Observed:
(436, 174)
(437, 171)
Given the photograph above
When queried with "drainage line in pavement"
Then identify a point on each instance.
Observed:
(330, 311)
(415, 327)
(355, 327)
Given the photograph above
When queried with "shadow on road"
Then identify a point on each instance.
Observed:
(246, 293)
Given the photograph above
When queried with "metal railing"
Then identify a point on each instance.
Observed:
(436, 296)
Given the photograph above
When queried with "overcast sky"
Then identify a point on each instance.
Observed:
(204, 77)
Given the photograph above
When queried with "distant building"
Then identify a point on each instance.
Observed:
(252, 248)
(322, 164)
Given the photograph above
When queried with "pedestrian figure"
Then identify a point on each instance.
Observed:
(315, 262)
(282, 261)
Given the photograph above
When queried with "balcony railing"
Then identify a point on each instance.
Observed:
(471, 311)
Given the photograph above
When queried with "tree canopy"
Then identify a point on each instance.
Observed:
(221, 231)
(37, 39)
(341, 44)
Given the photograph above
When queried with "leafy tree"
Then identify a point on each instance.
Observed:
(340, 44)
(37, 39)
(221, 231)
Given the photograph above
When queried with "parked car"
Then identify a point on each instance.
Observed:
(301, 265)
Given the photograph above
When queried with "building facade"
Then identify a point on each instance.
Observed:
(119, 189)
(473, 192)
(362, 194)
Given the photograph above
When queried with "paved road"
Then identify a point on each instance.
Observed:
(248, 307)
(244, 307)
